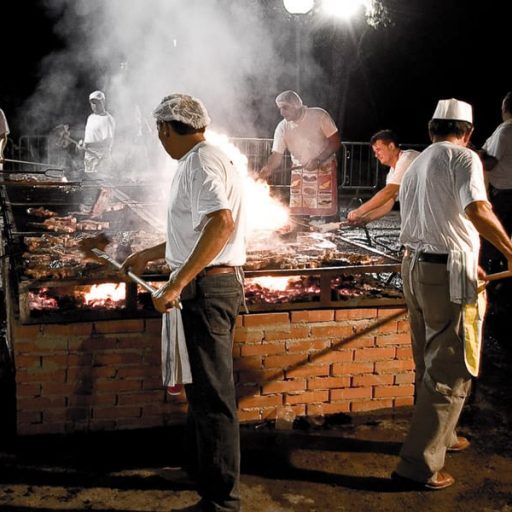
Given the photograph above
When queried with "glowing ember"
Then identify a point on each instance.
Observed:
(100, 294)
(273, 283)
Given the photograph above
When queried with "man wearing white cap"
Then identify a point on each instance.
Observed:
(99, 135)
(4, 132)
(312, 139)
(205, 249)
(444, 208)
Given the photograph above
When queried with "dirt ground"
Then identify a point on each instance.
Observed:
(340, 466)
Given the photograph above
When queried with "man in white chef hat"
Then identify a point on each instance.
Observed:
(444, 209)
(99, 135)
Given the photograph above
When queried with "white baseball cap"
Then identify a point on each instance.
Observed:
(454, 110)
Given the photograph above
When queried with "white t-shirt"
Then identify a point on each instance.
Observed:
(99, 128)
(499, 145)
(205, 181)
(441, 182)
(4, 127)
(305, 138)
(405, 159)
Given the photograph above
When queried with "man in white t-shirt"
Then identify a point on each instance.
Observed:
(205, 248)
(4, 132)
(444, 209)
(311, 137)
(99, 135)
(497, 152)
(387, 151)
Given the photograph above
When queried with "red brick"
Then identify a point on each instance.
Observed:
(333, 407)
(394, 366)
(393, 339)
(40, 375)
(351, 393)
(332, 356)
(249, 415)
(284, 386)
(28, 362)
(308, 370)
(141, 398)
(113, 386)
(119, 326)
(332, 331)
(307, 346)
(389, 312)
(153, 326)
(29, 417)
(262, 349)
(259, 376)
(117, 358)
(284, 361)
(404, 353)
(116, 412)
(390, 327)
(404, 378)
(307, 397)
(248, 363)
(355, 314)
(87, 400)
(242, 334)
(328, 382)
(370, 405)
(374, 354)
(358, 341)
(313, 316)
(254, 320)
(293, 333)
(403, 326)
(355, 368)
(28, 390)
(372, 380)
(249, 402)
(75, 329)
(393, 391)
(405, 401)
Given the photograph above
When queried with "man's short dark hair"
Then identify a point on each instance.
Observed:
(386, 136)
(445, 127)
(184, 129)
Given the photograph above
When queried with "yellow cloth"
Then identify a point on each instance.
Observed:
(473, 316)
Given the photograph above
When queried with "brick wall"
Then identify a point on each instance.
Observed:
(106, 375)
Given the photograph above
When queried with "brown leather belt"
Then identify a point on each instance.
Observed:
(218, 269)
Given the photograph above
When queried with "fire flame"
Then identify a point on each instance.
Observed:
(99, 294)
(265, 212)
(273, 283)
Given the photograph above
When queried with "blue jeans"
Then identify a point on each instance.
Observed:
(214, 437)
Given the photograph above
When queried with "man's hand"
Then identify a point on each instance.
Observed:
(136, 262)
(355, 219)
(167, 296)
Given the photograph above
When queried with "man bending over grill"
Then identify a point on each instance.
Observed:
(312, 139)
(388, 152)
(205, 249)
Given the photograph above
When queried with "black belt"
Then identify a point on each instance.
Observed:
(218, 269)
(430, 257)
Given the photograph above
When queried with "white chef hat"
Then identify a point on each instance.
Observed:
(289, 98)
(454, 110)
(97, 95)
(183, 108)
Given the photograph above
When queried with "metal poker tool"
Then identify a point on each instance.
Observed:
(131, 275)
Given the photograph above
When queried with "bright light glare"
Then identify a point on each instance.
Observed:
(343, 9)
(298, 6)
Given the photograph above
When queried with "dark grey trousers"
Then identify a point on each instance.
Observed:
(213, 430)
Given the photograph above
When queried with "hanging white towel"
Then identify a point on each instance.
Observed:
(462, 267)
(175, 361)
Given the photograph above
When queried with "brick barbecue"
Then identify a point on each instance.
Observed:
(99, 368)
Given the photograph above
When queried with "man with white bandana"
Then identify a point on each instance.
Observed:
(205, 248)
(444, 208)
(4, 132)
(312, 139)
(99, 135)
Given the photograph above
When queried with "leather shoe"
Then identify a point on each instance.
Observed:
(461, 444)
(441, 480)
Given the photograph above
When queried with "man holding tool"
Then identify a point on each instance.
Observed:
(205, 249)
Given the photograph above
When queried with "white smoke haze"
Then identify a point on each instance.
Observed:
(138, 51)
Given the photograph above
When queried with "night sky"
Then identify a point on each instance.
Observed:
(433, 49)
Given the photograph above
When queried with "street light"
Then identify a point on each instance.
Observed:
(298, 6)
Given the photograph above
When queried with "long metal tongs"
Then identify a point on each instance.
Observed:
(131, 275)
